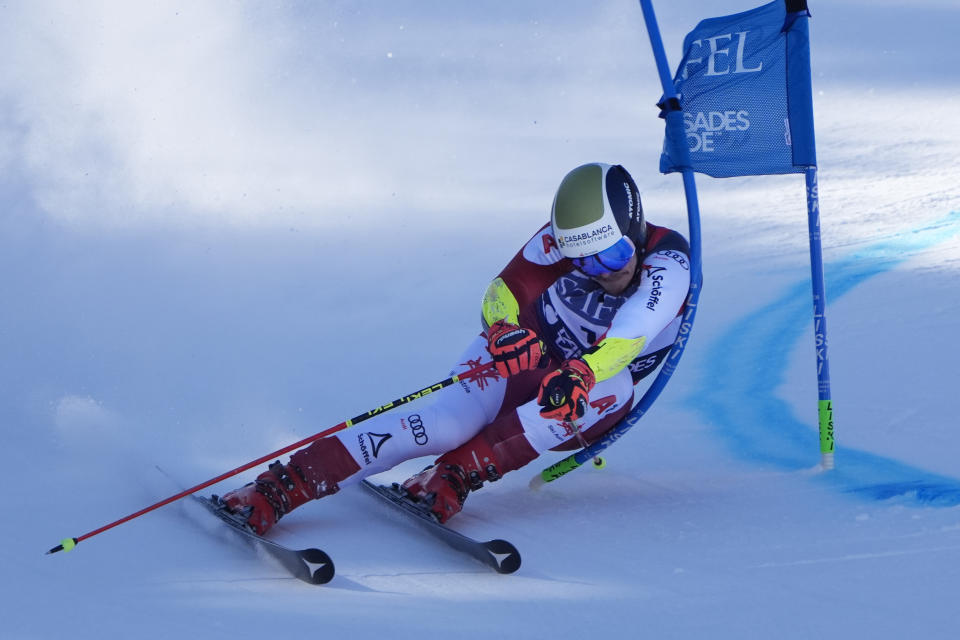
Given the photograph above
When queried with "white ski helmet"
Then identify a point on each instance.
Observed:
(596, 205)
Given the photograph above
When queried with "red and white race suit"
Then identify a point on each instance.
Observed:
(622, 337)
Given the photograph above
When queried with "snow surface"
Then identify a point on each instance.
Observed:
(227, 226)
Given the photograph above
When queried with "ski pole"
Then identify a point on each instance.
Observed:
(69, 543)
(598, 462)
(569, 463)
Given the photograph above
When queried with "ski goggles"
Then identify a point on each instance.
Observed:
(609, 260)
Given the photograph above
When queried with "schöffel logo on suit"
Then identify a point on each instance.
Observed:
(375, 440)
(656, 284)
(415, 423)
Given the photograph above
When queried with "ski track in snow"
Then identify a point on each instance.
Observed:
(761, 428)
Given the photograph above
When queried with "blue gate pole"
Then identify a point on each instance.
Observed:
(825, 403)
(674, 118)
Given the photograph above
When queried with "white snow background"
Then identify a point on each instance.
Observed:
(228, 226)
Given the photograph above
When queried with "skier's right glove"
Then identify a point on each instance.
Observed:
(515, 349)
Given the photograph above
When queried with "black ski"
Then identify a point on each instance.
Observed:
(310, 565)
(499, 555)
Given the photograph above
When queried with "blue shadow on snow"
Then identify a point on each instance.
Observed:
(737, 393)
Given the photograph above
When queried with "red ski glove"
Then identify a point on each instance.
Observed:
(514, 349)
(565, 392)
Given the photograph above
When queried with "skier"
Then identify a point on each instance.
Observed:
(588, 307)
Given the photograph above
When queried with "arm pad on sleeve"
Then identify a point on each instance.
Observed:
(499, 303)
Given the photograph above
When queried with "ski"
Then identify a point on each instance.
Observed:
(499, 555)
(310, 565)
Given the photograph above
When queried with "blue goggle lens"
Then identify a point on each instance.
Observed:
(607, 261)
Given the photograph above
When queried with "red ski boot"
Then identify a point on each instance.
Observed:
(442, 487)
(312, 473)
(499, 448)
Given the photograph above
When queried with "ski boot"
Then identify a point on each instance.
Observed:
(312, 473)
(444, 487)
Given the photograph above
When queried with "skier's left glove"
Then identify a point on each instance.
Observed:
(564, 393)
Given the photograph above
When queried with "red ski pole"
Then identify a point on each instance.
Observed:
(471, 374)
